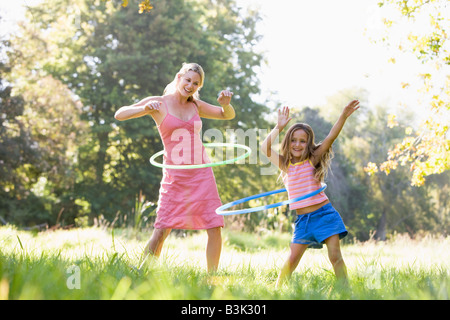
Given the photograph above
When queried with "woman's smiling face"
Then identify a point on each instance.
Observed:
(189, 83)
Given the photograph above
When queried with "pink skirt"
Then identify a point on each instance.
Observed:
(188, 199)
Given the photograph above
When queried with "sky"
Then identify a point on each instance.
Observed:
(316, 48)
(313, 49)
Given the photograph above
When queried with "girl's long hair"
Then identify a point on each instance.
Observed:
(172, 87)
(321, 169)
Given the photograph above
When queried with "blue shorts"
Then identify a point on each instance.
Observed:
(315, 227)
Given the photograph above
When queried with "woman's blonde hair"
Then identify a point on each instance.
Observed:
(172, 87)
(321, 169)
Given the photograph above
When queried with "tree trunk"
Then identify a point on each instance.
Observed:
(380, 234)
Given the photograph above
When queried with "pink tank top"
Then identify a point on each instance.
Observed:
(188, 198)
(299, 181)
(182, 141)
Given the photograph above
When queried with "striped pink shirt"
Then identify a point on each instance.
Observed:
(300, 181)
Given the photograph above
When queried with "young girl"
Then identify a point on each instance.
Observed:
(187, 197)
(303, 166)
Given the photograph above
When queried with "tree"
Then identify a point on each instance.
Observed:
(38, 137)
(375, 205)
(144, 5)
(109, 56)
(427, 149)
(18, 155)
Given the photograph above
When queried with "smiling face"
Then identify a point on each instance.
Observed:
(298, 144)
(189, 83)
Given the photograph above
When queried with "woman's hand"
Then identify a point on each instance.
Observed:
(224, 98)
(283, 117)
(152, 105)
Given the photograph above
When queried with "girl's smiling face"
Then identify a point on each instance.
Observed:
(298, 144)
(189, 83)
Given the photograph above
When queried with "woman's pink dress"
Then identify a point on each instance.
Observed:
(188, 198)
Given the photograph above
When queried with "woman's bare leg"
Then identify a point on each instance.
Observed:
(154, 245)
(213, 248)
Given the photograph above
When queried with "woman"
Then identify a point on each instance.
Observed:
(188, 197)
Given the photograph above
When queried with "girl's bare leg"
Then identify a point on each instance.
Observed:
(297, 251)
(335, 256)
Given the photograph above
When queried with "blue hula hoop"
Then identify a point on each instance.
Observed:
(222, 209)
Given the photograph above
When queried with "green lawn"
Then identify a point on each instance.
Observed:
(98, 264)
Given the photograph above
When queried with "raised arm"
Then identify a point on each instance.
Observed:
(224, 112)
(335, 130)
(266, 146)
(146, 106)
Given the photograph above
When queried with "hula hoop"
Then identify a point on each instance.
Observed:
(221, 210)
(203, 165)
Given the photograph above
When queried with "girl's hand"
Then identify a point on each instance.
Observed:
(152, 105)
(225, 97)
(283, 117)
(350, 108)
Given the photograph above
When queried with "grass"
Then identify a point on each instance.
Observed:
(94, 263)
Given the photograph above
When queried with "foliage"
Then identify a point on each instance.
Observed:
(144, 5)
(109, 57)
(374, 205)
(38, 144)
(426, 149)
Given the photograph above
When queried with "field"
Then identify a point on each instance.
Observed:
(94, 263)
